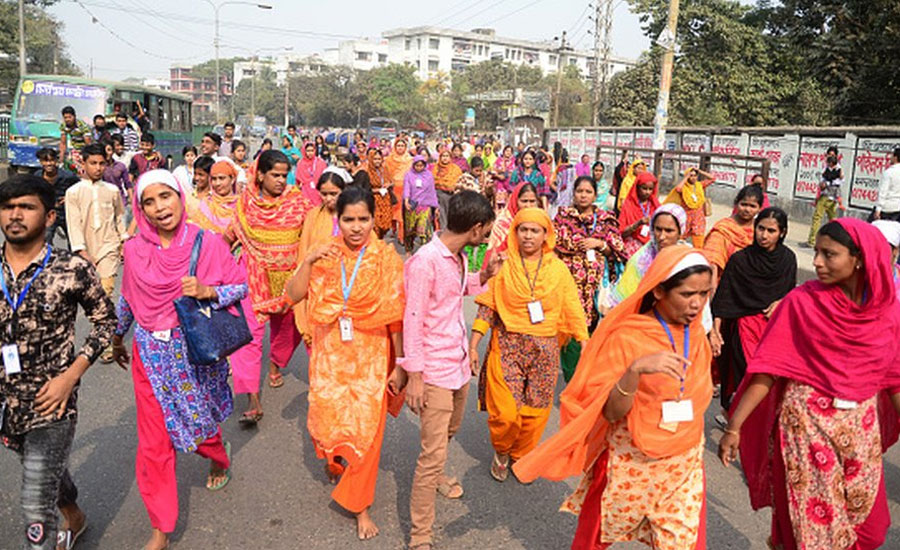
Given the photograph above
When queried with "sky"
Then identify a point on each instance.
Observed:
(143, 38)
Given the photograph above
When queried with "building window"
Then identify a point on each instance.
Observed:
(382, 58)
(432, 64)
(434, 43)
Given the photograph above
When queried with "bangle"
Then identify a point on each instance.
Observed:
(732, 432)
(623, 392)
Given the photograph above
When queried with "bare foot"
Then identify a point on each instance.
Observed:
(158, 541)
(365, 526)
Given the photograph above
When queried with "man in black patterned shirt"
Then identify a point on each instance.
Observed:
(42, 288)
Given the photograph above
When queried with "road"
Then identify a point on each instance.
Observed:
(279, 498)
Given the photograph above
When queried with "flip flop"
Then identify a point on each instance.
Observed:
(276, 380)
(67, 539)
(251, 417)
(227, 477)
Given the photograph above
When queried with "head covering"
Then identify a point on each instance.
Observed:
(846, 350)
(891, 231)
(625, 333)
(151, 275)
(633, 209)
(754, 278)
(510, 292)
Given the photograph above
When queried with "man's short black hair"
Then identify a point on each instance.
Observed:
(228, 124)
(93, 149)
(468, 209)
(47, 153)
(217, 139)
(23, 185)
(68, 110)
(147, 137)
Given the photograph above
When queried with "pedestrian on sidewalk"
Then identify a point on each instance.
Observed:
(828, 199)
(180, 406)
(888, 205)
(354, 287)
(43, 287)
(434, 344)
(95, 221)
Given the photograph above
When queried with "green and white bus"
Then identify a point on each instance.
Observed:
(39, 100)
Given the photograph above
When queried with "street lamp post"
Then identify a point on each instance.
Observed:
(216, 8)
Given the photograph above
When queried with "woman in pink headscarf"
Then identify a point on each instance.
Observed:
(309, 170)
(179, 405)
(819, 403)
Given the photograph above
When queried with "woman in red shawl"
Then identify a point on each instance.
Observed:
(309, 170)
(814, 414)
(639, 206)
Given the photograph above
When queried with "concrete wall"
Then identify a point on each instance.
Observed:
(797, 155)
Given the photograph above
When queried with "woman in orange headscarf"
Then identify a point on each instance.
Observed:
(354, 288)
(396, 165)
(735, 232)
(631, 419)
(528, 307)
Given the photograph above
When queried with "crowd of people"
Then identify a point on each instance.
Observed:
(363, 258)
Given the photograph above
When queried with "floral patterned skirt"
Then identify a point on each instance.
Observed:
(833, 466)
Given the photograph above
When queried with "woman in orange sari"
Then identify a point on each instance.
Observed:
(735, 232)
(320, 226)
(383, 190)
(631, 419)
(529, 306)
(354, 287)
(396, 165)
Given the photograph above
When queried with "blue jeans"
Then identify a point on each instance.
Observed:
(46, 483)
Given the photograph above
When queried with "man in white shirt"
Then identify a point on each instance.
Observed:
(888, 205)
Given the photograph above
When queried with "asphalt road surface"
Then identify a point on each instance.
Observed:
(279, 496)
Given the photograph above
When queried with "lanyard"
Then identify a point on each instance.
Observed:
(531, 284)
(348, 287)
(21, 298)
(687, 347)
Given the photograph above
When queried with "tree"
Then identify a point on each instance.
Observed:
(43, 41)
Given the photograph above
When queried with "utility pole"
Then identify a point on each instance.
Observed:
(667, 41)
(559, 75)
(603, 17)
(23, 68)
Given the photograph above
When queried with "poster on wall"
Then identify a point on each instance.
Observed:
(721, 169)
(769, 147)
(811, 163)
(873, 156)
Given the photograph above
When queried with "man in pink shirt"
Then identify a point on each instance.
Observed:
(436, 349)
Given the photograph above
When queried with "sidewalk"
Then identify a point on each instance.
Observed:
(798, 231)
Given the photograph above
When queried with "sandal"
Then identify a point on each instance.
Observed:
(226, 475)
(251, 417)
(450, 488)
(65, 540)
(276, 380)
(500, 470)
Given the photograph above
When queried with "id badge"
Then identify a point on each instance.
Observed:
(346, 326)
(841, 404)
(11, 359)
(536, 312)
(418, 182)
(591, 255)
(677, 411)
(645, 230)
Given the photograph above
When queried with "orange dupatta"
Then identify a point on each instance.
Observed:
(623, 336)
(510, 291)
(726, 238)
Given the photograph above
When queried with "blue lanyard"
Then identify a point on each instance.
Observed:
(348, 287)
(687, 346)
(21, 298)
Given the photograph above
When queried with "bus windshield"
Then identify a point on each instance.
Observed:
(43, 101)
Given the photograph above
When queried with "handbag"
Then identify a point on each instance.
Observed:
(211, 334)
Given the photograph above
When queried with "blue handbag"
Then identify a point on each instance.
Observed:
(211, 334)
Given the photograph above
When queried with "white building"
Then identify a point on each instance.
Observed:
(362, 55)
(281, 65)
(433, 49)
